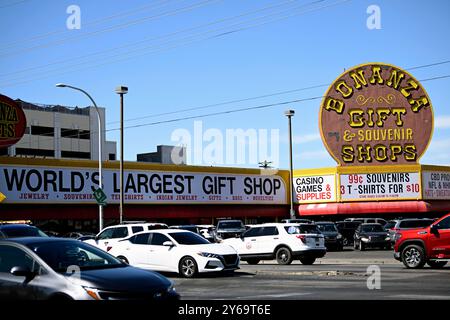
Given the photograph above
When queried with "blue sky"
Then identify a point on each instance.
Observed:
(283, 45)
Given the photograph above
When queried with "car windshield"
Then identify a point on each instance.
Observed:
(230, 225)
(188, 238)
(302, 229)
(327, 227)
(61, 255)
(23, 231)
(372, 228)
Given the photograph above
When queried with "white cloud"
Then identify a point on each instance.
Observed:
(300, 139)
(442, 122)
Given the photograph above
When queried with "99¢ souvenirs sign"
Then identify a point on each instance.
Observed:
(23, 184)
(376, 114)
(380, 186)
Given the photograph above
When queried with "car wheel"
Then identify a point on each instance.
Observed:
(362, 247)
(413, 257)
(436, 264)
(253, 261)
(307, 260)
(123, 259)
(283, 255)
(188, 267)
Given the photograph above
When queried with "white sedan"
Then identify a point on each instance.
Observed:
(174, 250)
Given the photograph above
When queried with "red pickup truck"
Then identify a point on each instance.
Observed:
(430, 245)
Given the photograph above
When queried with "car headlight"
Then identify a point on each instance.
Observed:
(364, 239)
(339, 236)
(208, 255)
(388, 238)
(92, 292)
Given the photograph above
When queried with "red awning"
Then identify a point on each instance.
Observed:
(386, 207)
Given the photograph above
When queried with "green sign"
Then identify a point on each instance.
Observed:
(100, 196)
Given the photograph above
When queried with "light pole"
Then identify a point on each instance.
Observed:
(121, 90)
(100, 184)
(290, 114)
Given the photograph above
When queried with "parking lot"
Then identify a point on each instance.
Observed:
(339, 275)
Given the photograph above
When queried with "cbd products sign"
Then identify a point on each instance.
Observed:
(376, 114)
(12, 122)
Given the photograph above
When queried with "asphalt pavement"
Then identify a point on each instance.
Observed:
(368, 275)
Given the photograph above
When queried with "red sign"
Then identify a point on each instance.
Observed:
(12, 122)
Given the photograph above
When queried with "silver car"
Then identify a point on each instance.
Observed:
(35, 268)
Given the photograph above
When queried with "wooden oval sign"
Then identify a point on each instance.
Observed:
(376, 114)
(12, 122)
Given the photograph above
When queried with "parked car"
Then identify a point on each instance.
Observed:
(371, 235)
(207, 231)
(406, 224)
(40, 268)
(173, 250)
(427, 245)
(368, 220)
(188, 227)
(229, 229)
(390, 224)
(110, 235)
(347, 229)
(20, 230)
(78, 235)
(281, 241)
(296, 221)
(333, 239)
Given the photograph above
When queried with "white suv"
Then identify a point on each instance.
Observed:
(282, 241)
(110, 235)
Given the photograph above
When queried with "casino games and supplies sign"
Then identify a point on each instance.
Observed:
(376, 114)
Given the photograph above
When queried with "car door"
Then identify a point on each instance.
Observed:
(440, 239)
(160, 257)
(17, 287)
(268, 240)
(103, 238)
(249, 243)
(137, 249)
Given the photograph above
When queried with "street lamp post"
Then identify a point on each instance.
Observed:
(121, 90)
(290, 114)
(100, 184)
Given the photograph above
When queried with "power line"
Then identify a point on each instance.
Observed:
(264, 106)
(270, 95)
(89, 23)
(164, 49)
(116, 27)
(151, 38)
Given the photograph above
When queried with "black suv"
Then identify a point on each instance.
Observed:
(229, 229)
(333, 239)
(371, 235)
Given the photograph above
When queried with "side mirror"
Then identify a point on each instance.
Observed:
(434, 229)
(168, 244)
(20, 271)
